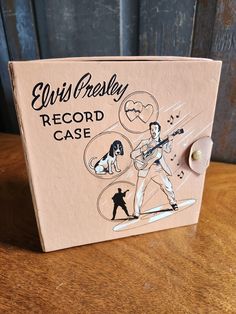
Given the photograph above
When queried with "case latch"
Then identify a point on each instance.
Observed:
(200, 154)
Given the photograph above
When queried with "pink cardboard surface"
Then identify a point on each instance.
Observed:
(109, 141)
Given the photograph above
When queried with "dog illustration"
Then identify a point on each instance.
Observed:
(106, 163)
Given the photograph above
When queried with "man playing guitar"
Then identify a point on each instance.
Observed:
(157, 170)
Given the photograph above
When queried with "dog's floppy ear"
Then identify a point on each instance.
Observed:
(111, 151)
(122, 149)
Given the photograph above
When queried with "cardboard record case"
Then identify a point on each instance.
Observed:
(115, 146)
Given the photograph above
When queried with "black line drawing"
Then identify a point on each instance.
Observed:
(109, 160)
(100, 169)
(133, 109)
(136, 110)
(106, 214)
(118, 200)
(171, 119)
(181, 174)
(178, 115)
(153, 215)
(172, 159)
(147, 153)
(149, 161)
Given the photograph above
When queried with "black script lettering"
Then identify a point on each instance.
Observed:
(97, 89)
(38, 86)
(44, 95)
(110, 84)
(85, 79)
(120, 91)
(64, 96)
(114, 89)
(103, 89)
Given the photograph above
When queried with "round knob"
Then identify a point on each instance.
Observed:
(197, 155)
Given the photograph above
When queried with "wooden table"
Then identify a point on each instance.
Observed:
(184, 270)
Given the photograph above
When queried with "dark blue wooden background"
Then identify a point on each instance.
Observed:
(32, 29)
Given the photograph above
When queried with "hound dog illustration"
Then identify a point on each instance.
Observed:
(106, 163)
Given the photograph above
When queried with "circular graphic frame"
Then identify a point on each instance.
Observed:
(101, 193)
(119, 173)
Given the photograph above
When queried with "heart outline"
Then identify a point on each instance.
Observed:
(146, 110)
(135, 109)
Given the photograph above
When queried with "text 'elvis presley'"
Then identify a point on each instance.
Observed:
(44, 95)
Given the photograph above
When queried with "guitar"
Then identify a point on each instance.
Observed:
(147, 158)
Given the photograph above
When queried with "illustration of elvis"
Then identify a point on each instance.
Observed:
(151, 165)
(118, 200)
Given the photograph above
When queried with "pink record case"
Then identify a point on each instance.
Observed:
(115, 146)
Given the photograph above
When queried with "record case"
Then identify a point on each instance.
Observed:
(114, 146)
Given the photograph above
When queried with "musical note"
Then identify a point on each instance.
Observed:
(171, 120)
(173, 157)
(178, 115)
(181, 174)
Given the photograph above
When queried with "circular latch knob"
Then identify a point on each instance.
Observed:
(197, 155)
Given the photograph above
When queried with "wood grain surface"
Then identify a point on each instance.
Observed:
(183, 270)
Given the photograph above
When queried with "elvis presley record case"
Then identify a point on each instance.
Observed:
(114, 146)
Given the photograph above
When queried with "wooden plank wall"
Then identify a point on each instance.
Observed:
(32, 29)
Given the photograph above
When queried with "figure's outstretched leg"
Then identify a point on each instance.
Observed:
(125, 209)
(167, 188)
(114, 211)
(139, 194)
